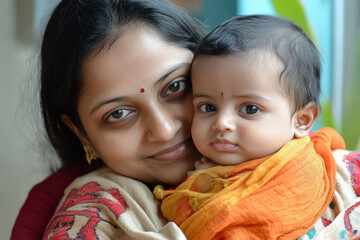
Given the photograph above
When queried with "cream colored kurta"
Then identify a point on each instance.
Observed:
(105, 205)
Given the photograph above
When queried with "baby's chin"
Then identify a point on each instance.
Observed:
(227, 160)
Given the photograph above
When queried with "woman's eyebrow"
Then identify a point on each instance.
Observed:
(107, 101)
(173, 69)
(158, 82)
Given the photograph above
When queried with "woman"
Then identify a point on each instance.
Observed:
(115, 81)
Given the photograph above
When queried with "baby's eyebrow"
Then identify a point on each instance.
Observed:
(247, 95)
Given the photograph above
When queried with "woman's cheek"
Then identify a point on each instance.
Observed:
(116, 147)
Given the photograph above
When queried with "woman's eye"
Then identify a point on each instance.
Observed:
(119, 114)
(176, 89)
(207, 107)
(250, 109)
(176, 86)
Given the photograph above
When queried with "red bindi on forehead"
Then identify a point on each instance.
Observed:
(142, 90)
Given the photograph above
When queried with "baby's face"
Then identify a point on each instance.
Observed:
(240, 113)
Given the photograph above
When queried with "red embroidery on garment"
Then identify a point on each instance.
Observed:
(83, 210)
(352, 161)
(325, 222)
(348, 220)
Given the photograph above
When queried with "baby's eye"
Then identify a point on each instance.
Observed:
(250, 109)
(207, 107)
(118, 115)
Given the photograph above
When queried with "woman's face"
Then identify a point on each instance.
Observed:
(136, 107)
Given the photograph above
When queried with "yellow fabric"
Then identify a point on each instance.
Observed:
(277, 197)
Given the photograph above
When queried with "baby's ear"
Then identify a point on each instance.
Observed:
(304, 119)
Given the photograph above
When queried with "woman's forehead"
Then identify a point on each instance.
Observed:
(138, 59)
(137, 55)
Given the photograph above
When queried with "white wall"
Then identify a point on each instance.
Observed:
(21, 163)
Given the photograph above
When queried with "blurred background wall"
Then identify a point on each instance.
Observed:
(334, 25)
(22, 161)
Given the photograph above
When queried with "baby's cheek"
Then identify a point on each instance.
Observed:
(197, 135)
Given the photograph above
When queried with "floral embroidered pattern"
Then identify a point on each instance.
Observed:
(353, 165)
(352, 220)
(83, 210)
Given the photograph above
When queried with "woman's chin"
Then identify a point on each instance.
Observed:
(178, 176)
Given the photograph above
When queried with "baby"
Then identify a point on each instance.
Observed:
(256, 88)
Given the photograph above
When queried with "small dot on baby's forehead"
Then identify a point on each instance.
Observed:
(142, 90)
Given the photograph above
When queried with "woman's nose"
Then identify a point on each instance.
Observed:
(224, 122)
(162, 125)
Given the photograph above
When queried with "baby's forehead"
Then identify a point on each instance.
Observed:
(253, 62)
(258, 57)
(261, 57)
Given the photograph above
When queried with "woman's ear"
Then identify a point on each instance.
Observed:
(82, 137)
(305, 119)
(90, 153)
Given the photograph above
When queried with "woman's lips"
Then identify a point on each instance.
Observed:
(172, 153)
(223, 145)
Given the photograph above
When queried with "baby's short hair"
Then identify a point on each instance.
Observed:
(245, 35)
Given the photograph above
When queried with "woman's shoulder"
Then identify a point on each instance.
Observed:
(341, 219)
(104, 203)
(105, 180)
(347, 177)
(106, 177)
(348, 168)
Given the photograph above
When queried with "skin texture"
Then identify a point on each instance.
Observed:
(240, 112)
(135, 107)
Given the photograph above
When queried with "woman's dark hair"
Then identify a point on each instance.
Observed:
(78, 28)
(244, 35)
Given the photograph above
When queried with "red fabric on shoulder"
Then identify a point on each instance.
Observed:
(43, 199)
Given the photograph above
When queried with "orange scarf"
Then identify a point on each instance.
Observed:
(276, 197)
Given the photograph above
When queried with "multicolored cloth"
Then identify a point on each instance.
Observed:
(277, 197)
(104, 205)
